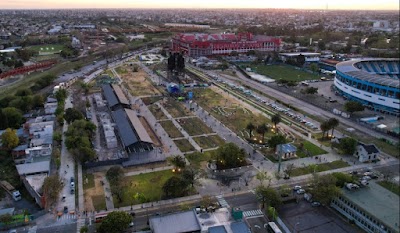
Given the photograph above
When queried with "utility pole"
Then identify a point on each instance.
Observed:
(280, 157)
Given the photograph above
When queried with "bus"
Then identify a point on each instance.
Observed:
(100, 216)
(273, 228)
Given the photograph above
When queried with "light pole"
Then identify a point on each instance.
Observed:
(295, 227)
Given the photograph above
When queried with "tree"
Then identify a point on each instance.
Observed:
(72, 114)
(52, 187)
(84, 229)
(324, 188)
(268, 197)
(190, 175)
(115, 174)
(229, 155)
(348, 145)
(262, 129)
(234, 53)
(250, 127)
(342, 178)
(13, 117)
(178, 162)
(262, 176)
(311, 90)
(325, 127)
(276, 119)
(301, 60)
(10, 139)
(276, 140)
(314, 68)
(333, 123)
(175, 187)
(115, 222)
(206, 201)
(289, 169)
(353, 106)
(6, 218)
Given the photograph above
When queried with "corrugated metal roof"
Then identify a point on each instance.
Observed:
(137, 125)
(110, 95)
(125, 130)
(31, 168)
(173, 223)
(120, 94)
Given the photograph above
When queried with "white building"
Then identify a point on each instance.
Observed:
(366, 153)
(309, 57)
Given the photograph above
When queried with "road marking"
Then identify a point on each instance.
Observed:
(251, 213)
(66, 216)
(222, 201)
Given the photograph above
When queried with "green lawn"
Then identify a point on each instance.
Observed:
(277, 72)
(148, 184)
(50, 48)
(312, 149)
(184, 145)
(157, 113)
(88, 181)
(99, 202)
(194, 126)
(207, 142)
(171, 130)
(198, 159)
(121, 70)
(394, 188)
(318, 168)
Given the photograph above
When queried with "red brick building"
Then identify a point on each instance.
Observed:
(195, 45)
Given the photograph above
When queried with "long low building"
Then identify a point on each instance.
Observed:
(132, 133)
(115, 97)
(199, 44)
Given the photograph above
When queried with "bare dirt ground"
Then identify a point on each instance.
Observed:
(95, 191)
(138, 82)
(153, 136)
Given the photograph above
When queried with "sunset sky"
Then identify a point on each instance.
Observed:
(296, 4)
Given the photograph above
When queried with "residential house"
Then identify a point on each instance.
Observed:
(366, 153)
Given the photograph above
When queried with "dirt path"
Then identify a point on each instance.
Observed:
(95, 191)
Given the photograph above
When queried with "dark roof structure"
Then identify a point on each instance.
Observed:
(130, 129)
(120, 94)
(369, 148)
(239, 227)
(109, 95)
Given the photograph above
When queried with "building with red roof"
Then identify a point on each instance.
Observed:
(200, 44)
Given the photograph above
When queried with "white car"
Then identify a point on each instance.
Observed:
(300, 191)
(297, 187)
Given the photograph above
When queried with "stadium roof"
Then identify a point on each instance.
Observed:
(377, 201)
(125, 129)
(349, 68)
(110, 95)
(172, 223)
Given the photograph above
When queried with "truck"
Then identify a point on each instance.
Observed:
(16, 195)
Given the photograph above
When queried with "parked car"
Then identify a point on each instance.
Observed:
(300, 191)
(297, 187)
(65, 209)
(315, 204)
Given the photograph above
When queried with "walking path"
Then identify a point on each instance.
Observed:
(133, 173)
(185, 134)
(108, 195)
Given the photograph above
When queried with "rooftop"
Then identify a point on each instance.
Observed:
(33, 168)
(377, 201)
(178, 222)
(36, 181)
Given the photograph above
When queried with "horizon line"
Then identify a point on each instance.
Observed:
(195, 8)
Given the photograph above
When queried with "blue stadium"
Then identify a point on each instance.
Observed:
(373, 82)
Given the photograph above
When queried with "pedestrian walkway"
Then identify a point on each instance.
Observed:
(66, 217)
(221, 200)
(108, 195)
(80, 223)
(251, 213)
(149, 170)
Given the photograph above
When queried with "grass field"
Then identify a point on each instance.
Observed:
(238, 117)
(176, 109)
(184, 145)
(281, 72)
(199, 160)
(149, 184)
(171, 130)
(50, 48)
(156, 111)
(207, 142)
(194, 126)
(99, 202)
(312, 149)
(318, 168)
(394, 188)
(88, 181)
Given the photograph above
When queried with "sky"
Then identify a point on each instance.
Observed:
(293, 4)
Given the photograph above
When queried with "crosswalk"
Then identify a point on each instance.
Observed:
(66, 217)
(251, 213)
(222, 201)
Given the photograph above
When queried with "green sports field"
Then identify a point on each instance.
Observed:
(47, 49)
(277, 72)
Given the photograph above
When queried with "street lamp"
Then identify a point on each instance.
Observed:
(295, 227)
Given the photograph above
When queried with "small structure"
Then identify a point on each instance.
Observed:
(287, 151)
(178, 222)
(366, 153)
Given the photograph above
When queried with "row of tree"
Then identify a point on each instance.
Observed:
(327, 125)
(78, 140)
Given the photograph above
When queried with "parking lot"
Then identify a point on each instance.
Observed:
(304, 218)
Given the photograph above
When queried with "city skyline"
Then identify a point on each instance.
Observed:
(156, 4)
